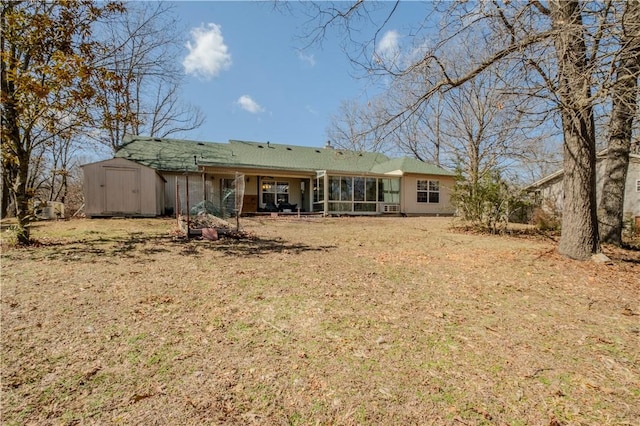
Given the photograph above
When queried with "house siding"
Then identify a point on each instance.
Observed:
(632, 195)
(550, 193)
(409, 196)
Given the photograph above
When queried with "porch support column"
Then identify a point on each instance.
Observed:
(204, 186)
(326, 194)
(309, 207)
(258, 193)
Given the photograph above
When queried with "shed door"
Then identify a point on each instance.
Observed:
(122, 190)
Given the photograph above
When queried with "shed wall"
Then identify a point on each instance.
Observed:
(121, 187)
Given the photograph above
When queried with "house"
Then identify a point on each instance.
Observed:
(177, 174)
(548, 191)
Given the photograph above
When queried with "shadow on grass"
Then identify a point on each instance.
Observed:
(142, 246)
(82, 249)
(249, 247)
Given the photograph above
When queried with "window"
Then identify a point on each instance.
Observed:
(358, 189)
(389, 191)
(428, 191)
(318, 190)
(275, 192)
(638, 185)
(359, 193)
(372, 189)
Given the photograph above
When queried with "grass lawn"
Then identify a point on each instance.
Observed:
(339, 321)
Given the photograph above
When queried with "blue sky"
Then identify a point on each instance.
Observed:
(245, 68)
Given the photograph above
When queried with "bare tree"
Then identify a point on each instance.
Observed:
(355, 126)
(143, 97)
(478, 127)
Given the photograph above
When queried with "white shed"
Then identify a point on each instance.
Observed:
(120, 187)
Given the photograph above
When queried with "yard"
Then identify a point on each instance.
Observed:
(315, 321)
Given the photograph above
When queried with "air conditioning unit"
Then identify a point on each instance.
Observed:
(391, 208)
(49, 210)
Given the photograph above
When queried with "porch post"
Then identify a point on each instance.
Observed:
(326, 193)
(310, 196)
(204, 186)
(258, 192)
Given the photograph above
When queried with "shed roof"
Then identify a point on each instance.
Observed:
(187, 155)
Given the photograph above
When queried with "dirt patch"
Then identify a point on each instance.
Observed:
(315, 321)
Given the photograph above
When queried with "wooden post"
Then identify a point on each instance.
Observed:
(188, 212)
(177, 202)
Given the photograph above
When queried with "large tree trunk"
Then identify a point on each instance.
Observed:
(625, 95)
(579, 238)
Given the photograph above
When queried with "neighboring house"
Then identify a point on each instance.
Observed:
(548, 191)
(276, 177)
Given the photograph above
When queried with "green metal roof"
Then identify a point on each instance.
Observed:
(410, 165)
(186, 155)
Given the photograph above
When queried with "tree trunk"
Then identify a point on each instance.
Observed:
(22, 197)
(6, 191)
(625, 95)
(579, 238)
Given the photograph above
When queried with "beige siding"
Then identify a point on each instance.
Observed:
(551, 192)
(409, 196)
(199, 190)
(632, 195)
(121, 187)
(551, 196)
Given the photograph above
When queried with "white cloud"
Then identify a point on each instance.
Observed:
(309, 59)
(248, 104)
(208, 55)
(387, 48)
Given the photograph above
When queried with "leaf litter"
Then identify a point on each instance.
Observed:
(325, 321)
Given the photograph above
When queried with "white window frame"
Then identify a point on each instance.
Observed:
(426, 186)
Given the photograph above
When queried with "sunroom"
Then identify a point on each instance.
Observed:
(355, 194)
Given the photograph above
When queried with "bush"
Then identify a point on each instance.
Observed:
(546, 219)
(630, 226)
(488, 203)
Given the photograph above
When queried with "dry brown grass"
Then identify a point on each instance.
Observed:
(317, 321)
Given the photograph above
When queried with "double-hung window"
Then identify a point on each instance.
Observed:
(428, 191)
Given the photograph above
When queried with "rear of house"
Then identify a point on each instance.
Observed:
(284, 178)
